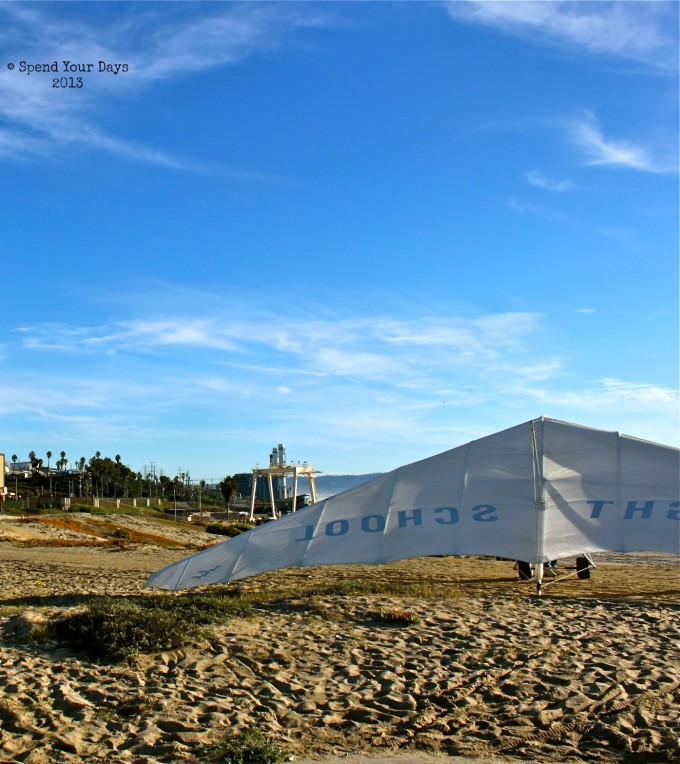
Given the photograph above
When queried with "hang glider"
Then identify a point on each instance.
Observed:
(536, 492)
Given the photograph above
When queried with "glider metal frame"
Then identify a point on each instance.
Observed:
(591, 566)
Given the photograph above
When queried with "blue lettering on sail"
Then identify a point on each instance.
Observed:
(484, 513)
(373, 523)
(448, 515)
(337, 528)
(309, 532)
(597, 508)
(415, 517)
(641, 509)
(645, 510)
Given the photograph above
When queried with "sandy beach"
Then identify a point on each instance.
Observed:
(590, 672)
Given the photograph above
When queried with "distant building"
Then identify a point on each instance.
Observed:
(244, 483)
(12, 467)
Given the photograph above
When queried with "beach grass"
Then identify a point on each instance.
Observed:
(114, 629)
(251, 746)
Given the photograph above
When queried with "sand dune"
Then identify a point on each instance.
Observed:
(589, 672)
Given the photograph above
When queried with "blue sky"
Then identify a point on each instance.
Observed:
(372, 231)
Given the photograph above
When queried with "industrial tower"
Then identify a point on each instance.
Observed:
(280, 470)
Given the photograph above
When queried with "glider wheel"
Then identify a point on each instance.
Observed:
(524, 570)
(583, 567)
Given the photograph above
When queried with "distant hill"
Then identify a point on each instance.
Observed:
(329, 485)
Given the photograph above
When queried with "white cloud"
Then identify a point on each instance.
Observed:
(460, 334)
(586, 134)
(330, 379)
(611, 395)
(335, 363)
(644, 32)
(534, 371)
(638, 393)
(215, 39)
(218, 384)
(35, 394)
(155, 45)
(201, 333)
(394, 351)
(356, 363)
(536, 178)
(522, 207)
(137, 336)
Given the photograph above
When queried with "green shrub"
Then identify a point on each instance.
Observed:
(117, 629)
(202, 609)
(249, 747)
(233, 529)
(113, 630)
(217, 529)
(80, 508)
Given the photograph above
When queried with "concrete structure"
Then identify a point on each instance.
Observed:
(279, 470)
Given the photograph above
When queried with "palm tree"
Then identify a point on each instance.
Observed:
(227, 487)
(201, 487)
(117, 478)
(49, 456)
(165, 484)
(49, 474)
(14, 472)
(63, 460)
(81, 465)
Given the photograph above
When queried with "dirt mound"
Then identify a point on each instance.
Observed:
(83, 529)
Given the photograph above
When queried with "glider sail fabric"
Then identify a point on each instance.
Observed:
(608, 492)
(541, 490)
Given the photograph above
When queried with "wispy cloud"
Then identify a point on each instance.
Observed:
(644, 32)
(523, 207)
(536, 178)
(585, 133)
(156, 46)
(384, 348)
(612, 395)
(323, 379)
(220, 38)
